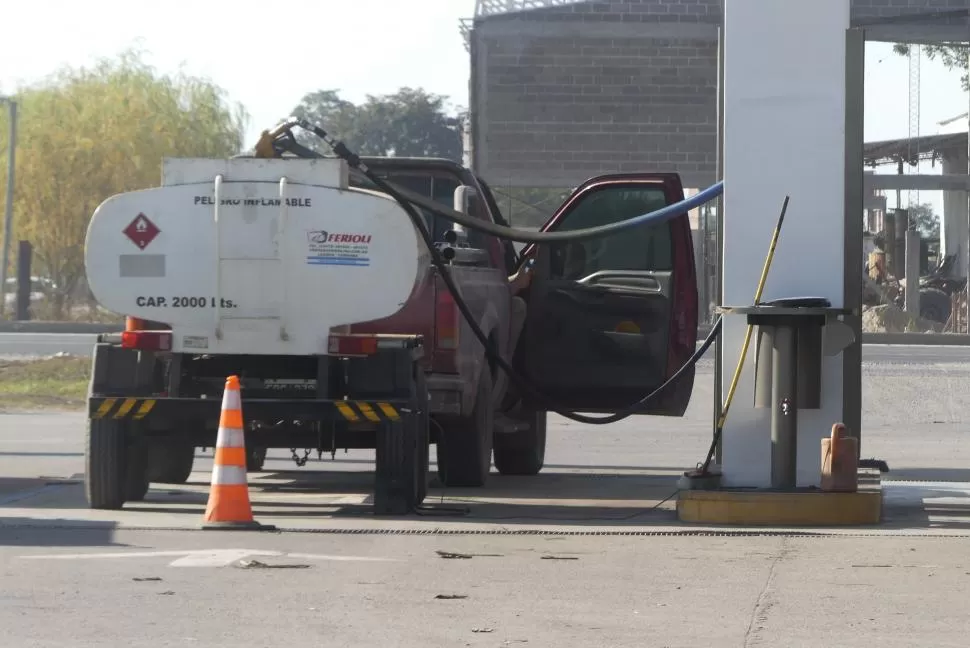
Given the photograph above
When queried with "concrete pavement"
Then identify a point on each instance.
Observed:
(587, 554)
(512, 591)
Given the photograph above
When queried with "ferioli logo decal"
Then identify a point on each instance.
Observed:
(338, 248)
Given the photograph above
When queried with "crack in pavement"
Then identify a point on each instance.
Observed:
(766, 600)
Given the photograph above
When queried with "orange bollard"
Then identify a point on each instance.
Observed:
(229, 506)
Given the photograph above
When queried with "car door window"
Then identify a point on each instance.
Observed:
(481, 240)
(647, 248)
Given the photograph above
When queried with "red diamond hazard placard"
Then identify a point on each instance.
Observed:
(141, 231)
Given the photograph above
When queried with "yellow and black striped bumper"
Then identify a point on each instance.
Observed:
(124, 408)
(374, 412)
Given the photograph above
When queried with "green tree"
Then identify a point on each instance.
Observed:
(408, 123)
(924, 220)
(954, 57)
(85, 134)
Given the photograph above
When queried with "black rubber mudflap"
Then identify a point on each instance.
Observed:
(396, 487)
(104, 469)
(522, 452)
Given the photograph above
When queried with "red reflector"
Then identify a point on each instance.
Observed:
(353, 345)
(447, 326)
(147, 340)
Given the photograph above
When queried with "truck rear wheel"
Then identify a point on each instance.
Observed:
(465, 445)
(522, 453)
(170, 461)
(114, 465)
(136, 468)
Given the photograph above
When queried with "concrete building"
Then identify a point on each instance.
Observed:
(562, 89)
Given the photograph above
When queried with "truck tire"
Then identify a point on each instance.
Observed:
(934, 305)
(170, 461)
(114, 469)
(255, 458)
(522, 453)
(465, 445)
(137, 482)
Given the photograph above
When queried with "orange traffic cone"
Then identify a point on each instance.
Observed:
(229, 506)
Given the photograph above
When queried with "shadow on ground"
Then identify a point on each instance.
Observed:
(608, 496)
(931, 503)
(928, 474)
(56, 532)
(578, 498)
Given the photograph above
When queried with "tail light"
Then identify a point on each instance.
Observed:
(683, 323)
(448, 322)
(363, 344)
(147, 340)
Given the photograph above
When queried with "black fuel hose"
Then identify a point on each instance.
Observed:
(509, 233)
(441, 265)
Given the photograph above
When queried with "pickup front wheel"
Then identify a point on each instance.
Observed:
(465, 445)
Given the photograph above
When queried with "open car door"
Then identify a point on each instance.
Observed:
(611, 319)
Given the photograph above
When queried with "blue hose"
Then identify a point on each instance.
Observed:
(661, 215)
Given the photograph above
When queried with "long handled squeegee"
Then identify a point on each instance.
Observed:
(747, 339)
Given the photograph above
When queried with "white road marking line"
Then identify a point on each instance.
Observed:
(218, 557)
(206, 557)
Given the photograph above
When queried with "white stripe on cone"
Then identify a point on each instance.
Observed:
(228, 475)
(231, 400)
(230, 438)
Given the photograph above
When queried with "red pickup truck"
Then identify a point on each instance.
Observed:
(599, 323)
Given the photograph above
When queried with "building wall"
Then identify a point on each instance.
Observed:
(565, 93)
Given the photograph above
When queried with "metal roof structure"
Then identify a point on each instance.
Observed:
(927, 147)
(485, 8)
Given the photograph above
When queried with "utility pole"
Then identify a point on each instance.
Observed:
(8, 209)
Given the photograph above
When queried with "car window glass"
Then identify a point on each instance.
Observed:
(439, 188)
(644, 248)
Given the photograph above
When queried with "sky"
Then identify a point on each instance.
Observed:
(267, 60)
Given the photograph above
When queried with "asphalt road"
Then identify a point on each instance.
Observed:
(27, 345)
(585, 554)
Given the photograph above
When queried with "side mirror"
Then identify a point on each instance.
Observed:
(464, 201)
